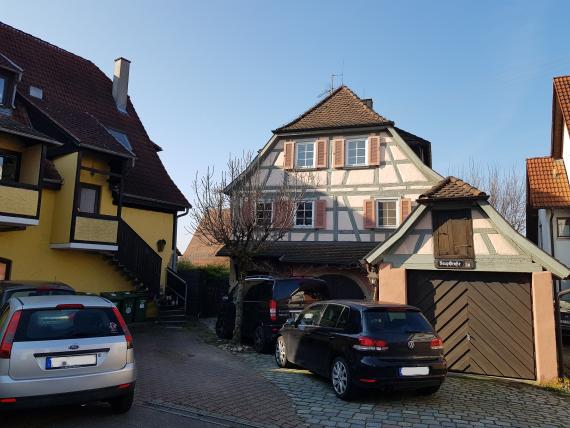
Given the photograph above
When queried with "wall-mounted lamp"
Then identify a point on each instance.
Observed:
(160, 244)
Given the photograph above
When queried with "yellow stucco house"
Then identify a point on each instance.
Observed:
(84, 196)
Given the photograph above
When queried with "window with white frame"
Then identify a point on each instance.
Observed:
(387, 212)
(564, 227)
(305, 155)
(356, 152)
(304, 216)
(263, 213)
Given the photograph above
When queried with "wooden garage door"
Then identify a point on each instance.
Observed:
(484, 319)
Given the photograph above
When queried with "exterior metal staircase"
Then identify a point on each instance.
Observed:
(136, 260)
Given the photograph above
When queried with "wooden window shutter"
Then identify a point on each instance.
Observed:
(338, 147)
(382, 147)
(453, 234)
(405, 209)
(322, 153)
(462, 234)
(369, 214)
(288, 157)
(442, 235)
(374, 151)
(248, 211)
(321, 215)
(283, 214)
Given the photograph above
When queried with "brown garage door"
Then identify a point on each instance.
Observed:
(484, 319)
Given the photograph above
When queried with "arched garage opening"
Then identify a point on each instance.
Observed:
(343, 287)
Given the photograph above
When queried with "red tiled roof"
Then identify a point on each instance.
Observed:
(77, 96)
(547, 183)
(562, 88)
(6, 63)
(341, 109)
(452, 188)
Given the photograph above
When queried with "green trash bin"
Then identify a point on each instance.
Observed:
(140, 307)
(128, 306)
(115, 297)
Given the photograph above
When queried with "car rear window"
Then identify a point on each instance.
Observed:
(59, 324)
(299, 291)
(38, 292)
(407, 321)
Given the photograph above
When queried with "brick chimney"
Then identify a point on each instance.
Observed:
(121, 83)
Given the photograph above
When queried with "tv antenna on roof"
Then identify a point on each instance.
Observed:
(331, 89)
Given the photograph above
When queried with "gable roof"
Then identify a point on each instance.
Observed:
(562, 88)
(537, 255)
(548, 184)
(77, 98)
(341, 109)
(560, 113)
(452, 188)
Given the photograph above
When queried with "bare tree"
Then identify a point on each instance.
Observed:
(243, 213)
(506, 188)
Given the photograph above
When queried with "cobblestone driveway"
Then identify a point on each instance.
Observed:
(461, 402)
(182, 382)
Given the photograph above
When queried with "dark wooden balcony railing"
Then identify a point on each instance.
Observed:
(139, 258)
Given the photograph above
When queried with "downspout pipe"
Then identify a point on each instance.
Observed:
(175, 238)
(556, 304)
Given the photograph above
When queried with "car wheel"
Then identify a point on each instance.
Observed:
(430, 390)
(259, 341)
(341, 379)
(122, 404)
(281, 353)
(221, 330)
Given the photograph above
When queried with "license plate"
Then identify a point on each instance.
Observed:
(71, 361)
(414, 371)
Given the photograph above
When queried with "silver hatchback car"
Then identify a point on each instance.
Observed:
(64, 350)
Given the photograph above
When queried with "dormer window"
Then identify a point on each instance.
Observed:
(3, 89)
(121, 137)
(10, 75)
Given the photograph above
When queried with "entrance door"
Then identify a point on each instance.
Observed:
(484, 319)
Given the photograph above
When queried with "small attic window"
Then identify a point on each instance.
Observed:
(2, 89)
(36, 92)
(121, 137)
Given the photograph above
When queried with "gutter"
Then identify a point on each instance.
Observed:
(557, 326)
(174, 258)
(158, 201)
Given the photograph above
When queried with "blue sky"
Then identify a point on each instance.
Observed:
(213, 77)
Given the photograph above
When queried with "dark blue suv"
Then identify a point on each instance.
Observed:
(268, 302)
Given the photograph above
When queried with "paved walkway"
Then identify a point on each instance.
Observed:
(461, 402)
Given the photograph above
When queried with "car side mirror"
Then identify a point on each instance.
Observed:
(290, 321)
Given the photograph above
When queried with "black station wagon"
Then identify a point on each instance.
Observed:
(361, 344)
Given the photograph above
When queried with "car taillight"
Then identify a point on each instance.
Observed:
(369, 344)
(273, 310)
(124, 327)
(436, 343)
(8, 339)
